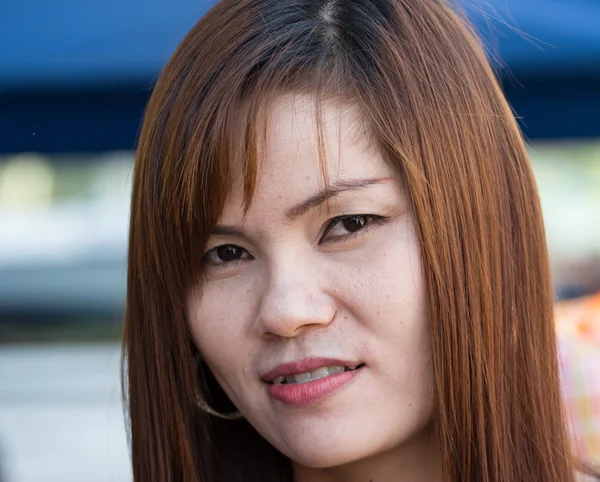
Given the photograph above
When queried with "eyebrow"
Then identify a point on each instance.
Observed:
(332, 190)
(312, 202)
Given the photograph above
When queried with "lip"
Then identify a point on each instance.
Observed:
(302, 394)
(305, 365)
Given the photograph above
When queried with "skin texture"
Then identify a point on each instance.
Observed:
(295, 291)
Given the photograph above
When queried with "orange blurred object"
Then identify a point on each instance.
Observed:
(578, 329)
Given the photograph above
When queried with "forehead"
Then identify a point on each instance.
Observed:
(304, 143)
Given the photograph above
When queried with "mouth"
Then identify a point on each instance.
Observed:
(311, 375)
(309, 381)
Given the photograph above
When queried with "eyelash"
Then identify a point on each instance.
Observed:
(371, 219)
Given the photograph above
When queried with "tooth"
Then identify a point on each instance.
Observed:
(314, 375)
(302, 377)
(321, 373)
(326, 371)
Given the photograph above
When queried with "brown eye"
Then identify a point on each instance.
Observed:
(224, 254)
(229, 253)
(344, 227)
(354, 223)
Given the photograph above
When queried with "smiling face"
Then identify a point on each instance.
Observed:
(331, 288)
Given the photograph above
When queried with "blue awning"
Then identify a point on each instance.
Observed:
(75, 75)
(81, 44)
(536, 38)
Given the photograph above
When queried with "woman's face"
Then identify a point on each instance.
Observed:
(313, 314)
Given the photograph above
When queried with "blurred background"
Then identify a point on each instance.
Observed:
(74, 79)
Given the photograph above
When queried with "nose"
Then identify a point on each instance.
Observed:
(294, 304)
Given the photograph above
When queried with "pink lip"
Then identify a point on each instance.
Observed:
(309, 392)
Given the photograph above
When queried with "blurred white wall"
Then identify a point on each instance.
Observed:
(61, 416)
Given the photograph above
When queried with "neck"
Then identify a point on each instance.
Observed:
(417, 460)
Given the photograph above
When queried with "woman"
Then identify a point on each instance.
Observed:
(337, 265)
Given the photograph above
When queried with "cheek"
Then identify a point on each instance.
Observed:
(386, 294)
(402, 307)
(387, 282)
(221, 319)
(221, 325)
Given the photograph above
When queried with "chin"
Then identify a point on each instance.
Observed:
(323, 444)
(326, 458)
(330, 448)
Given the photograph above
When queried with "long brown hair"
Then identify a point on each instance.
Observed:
(420, 79)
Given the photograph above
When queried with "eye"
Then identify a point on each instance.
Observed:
(226, 253)
(342, 227)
